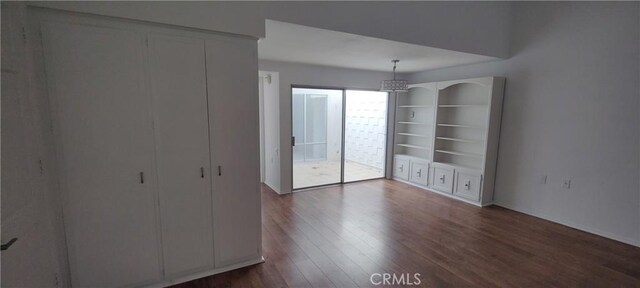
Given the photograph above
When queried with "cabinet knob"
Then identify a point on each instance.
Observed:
(201, 172)
(467, 185)
(442, 178)
(419, 173)
(401, 168)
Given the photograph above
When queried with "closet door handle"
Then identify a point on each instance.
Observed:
(6, 246)
(201, 172)
(142, 177)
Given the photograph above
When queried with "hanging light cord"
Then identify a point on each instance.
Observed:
(394, 68)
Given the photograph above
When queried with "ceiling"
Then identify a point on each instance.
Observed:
(309, 45)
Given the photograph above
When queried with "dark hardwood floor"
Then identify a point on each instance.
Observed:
(340, 236)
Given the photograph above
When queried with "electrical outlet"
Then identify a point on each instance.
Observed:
(566, 184)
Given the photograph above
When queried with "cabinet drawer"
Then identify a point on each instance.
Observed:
(442, 178)
(419, 172)
(468, 185)
(401, 168)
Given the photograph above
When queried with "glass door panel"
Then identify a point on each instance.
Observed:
(316, 161)
(365, 135)
(315, 127)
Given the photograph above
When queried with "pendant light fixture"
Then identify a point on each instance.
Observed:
(394, 85)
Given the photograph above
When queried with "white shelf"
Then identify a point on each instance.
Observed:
(412, 123)
(412, 156)
(459, 126)
(413, 146)
(465, 154)
(458, 140)
(415, 106)
(459, 165)
(461, 105)
(412, 134)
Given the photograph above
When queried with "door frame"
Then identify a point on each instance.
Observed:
(342, 144)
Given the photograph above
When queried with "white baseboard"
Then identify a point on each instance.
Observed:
(442, 193)
(206, 273)
(630, 241)
(273, 188)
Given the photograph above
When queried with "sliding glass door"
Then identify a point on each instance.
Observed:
(317, 137)
(365, 135)
(328, 122)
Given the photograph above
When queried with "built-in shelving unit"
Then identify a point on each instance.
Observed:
(462, 113)
(451, 127)
(414, 121)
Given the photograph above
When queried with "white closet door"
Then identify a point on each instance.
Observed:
(103, 128)
(233, 99)
(179, 89)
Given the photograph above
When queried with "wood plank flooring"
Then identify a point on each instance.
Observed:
(340, 236)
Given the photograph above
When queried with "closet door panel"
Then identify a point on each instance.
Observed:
(102, 126)
(177, 70)
(233, 97)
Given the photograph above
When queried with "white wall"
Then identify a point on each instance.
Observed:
(261, 81)
(472, 27)
(571, 110)
(271, 126)
(366, 128)
(311, 75)
(30, 204)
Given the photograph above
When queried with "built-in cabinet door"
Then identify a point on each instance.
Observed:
(179, 90)
(468, 185)
(233, 107)
(103, 129)
(442, 178)
(401, 168)
(419, 172)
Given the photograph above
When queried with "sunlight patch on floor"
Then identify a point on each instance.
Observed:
(314, 173)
